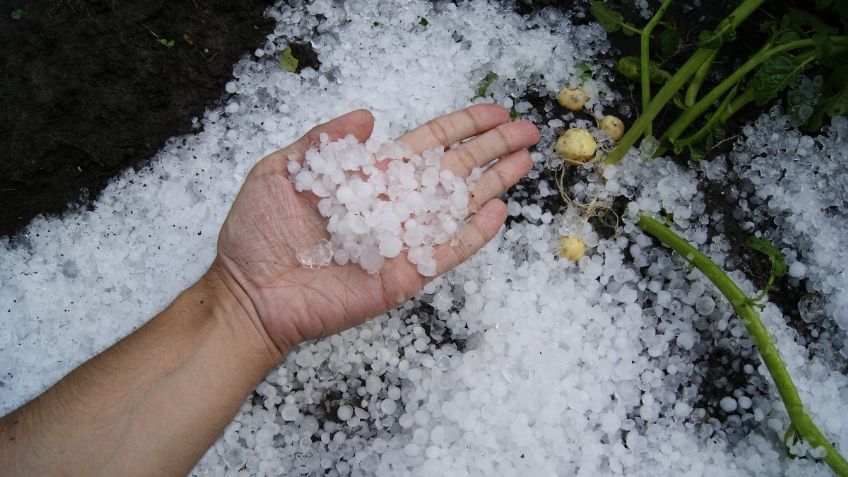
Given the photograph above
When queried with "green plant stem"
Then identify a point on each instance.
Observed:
(744, 307)
(729, 106)
(630, 29)
(698, 80)
(678, 80)
(690, 115)
(718, 117)
(645, 57)
(738, 103)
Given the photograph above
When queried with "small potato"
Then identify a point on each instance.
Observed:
(613, 126)
(572, 97)
(572, 247)
(576, 145)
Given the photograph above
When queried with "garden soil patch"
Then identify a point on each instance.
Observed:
(90, 88)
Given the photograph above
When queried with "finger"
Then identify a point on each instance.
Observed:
(360, 123)
(500, 177)
(498, 142)
(454, 127)
(482, 227)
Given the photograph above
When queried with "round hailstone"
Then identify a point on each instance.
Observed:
(797, 270)
(344, 413)
(705, 305)
(388, 406)
(380, 199)
(681, 409)
(289, 412)
(686, 340)
(728, 404)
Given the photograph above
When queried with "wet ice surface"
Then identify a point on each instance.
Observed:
(318, 255)
(516, 362)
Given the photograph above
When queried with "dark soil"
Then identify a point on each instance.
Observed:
(90, 88)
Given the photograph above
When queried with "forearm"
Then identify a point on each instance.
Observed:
(152, 403)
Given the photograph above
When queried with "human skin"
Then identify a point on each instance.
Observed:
(154, 402)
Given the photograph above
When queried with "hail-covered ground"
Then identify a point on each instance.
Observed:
(623, 363)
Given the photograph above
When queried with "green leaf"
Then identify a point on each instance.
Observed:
(676, 146)
(513, 114)
(838, 103)
(16, 14)
(778, 263)
(773, 77)
(423, 21)
(786, 37)
(166, 43)
(630, 67)
(832, 98)
(669, 40)
(709, 39)
(483, 88)
(806, 24)
(611, 20)
(288, 61)
(697, 154)
(584, 71)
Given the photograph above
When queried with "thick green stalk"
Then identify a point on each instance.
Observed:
(738, 103)
(744, 307)
(718, 117)
(697, 80)
(731, 104)
(690, 115)
(645, 57)
(678, 80)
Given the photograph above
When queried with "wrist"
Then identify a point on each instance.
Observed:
(230, 303)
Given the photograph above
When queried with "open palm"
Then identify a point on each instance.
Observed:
(270, 221)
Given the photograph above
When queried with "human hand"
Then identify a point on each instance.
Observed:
(270, 221)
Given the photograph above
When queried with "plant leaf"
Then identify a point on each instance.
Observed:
(16, 14)
(832, 97)
(838, 103)
(288, 61)
(710, 39)
(806, 24)
(773, 76)
(696, 153)
(423, 21)
(778, 263)
(483, 88)
(669, 40)
(584, 71)
(630, 67)
(611, 20)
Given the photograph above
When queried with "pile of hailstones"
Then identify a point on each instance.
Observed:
(381, 198)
